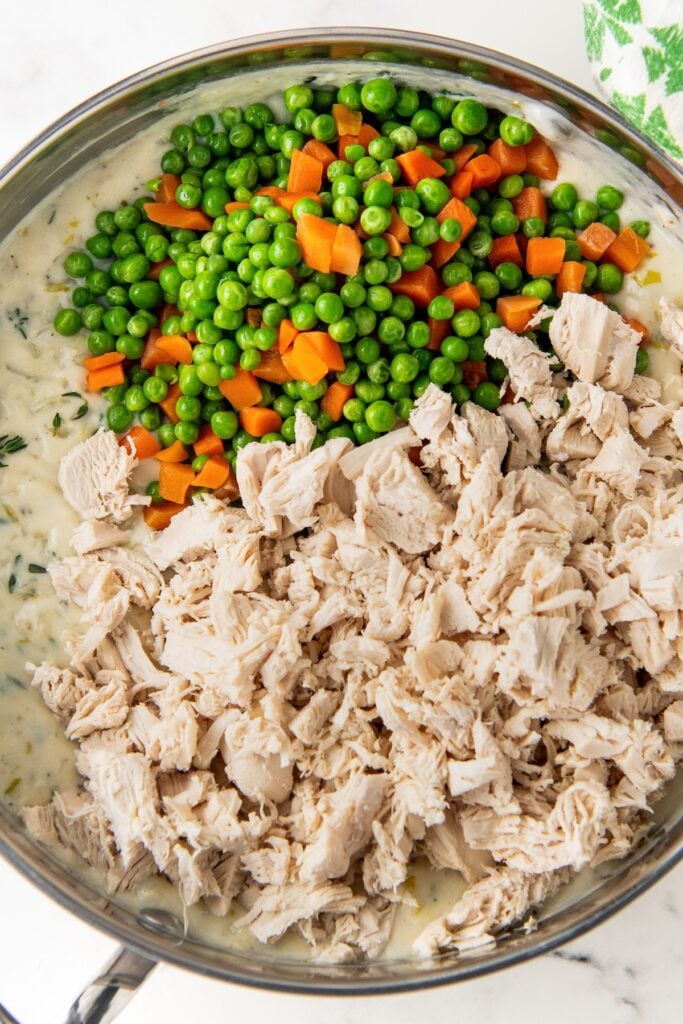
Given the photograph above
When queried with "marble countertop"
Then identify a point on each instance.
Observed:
(627, 971)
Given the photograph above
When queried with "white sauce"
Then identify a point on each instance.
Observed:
(38, 367)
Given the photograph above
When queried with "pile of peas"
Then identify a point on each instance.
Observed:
(233, 285)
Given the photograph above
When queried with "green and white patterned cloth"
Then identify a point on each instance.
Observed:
(636, 52)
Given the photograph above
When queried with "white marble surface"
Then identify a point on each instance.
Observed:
(630, 970)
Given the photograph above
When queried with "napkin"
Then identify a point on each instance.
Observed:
(635, 48)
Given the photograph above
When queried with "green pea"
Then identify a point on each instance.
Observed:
(455, 273)
(641, 227)
(224, 424)
(365, 168)
(539, 288)
(391, 330)
(417, 334)
(119, 418)
(78, 264)
(350, 374)
(480, 243)
(487, 396)
(590, 274)
(564, 197)
(611, 220)
(642, 360)
(132, 348)
(584, 213)
(378, 372)
(533, 227)
(509, 275)
(504, 223)
(487, 284)
(441, 308)
(469, 117)
(375, 220)
(378, 95)
(329, 307)
(515, 131)
(404, 368)
(367, 350)
(609, 278)
(456, 349)
(67, 322)
(511, 186)
(145, 294)
(186, 431)
(250, 359)
(380, 416)
(609, 198)
(413, 257)
(466, 323)
(297, 96)
(342, 331)
(441, 370)
(365, 320)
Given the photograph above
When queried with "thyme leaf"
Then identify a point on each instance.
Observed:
(81, 411)
(56, 423)
(8, 445)
(20, 321)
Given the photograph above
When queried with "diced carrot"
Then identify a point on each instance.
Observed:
(215, 471)
(254, 316)
(140, 442)
(152, 355)
(464, 154)
(540, 159)
(544, 256)
(415, 166)
(334, 399)
(316, 239)
(346, 251)
(319, 151)
(530, 203)
(628, 250)
(156, 268)
(505, 249)
(175, 479)
(454, 209)
(515, 311)
(158, 517)
(395, 247)
(641, 329)
(167, 188)
(167, 310)
(173, 215)
(464, 296)
(258, 421)
(305, 173)
(270, 190)
(272, 368)
(570, 277)
(176, 452)
(366, 134)
(473, 372)
(107, 377)
(324, 346)
(431, 149)
(382, 176)
(286, 335)
(485, 170)
(242, 391)
(176, 348)
(234, 205)
(598, 296)
(438, 330)
(421, 285)
(512, 159)
(192, 337)
(342, 142)
(348, 121)
(107, 359)
(304, 362)
(168, 403)
(398, 227)
(462, 184)
(595, 240)
(288, 199)
(207, 442)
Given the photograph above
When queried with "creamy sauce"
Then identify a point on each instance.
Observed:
(39, 369)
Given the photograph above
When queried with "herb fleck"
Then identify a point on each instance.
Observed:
(12, 786)
(71, 394)
(12, 581)
(81, 411)
(19, 320)
(35, 568)
(8, 445)
(56, 423)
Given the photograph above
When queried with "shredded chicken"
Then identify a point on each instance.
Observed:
(478, 662)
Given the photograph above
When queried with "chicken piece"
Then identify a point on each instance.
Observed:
(203, 526)
(595, 343)
(60, 688)
(278, 907)
(124, 786)
(104, 706)
(529, 369)
(672, 722)
(445, 848)
(671, 323)
(619, 463)
(487, 907)
(258, 758)
(431, 414)
(397, 503)
(94, 534)
(592, 415)
(353, 462)
(525, 445)
(94, 476)
(346, 826)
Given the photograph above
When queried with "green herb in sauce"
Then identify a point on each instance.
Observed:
(9, 445)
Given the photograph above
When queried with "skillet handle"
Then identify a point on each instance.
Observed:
(113, 988)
